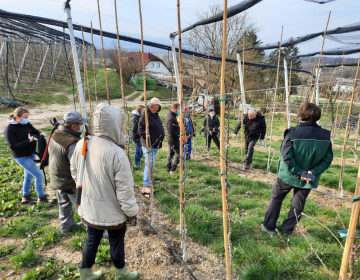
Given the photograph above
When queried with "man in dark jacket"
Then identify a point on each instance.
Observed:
(173, 134)
(61, 148)
(134, 134)
(156, 136)
(255, 128)
(211, 129)
(306, 153)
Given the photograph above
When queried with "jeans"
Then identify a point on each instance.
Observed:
(173, 151)
(187, 149)
(279, 192)
(31, 171)
(116, 241)
(138, 153)
(66, 201)
(152, 154)
(249, 148)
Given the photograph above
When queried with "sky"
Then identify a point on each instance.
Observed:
(297, 17)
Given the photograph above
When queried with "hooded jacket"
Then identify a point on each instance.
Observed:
(108, 186)
(211, 124)
(134, 126)
(254, 128)
(172, 127)
(61, 147)
(156, 130)
(16, 135)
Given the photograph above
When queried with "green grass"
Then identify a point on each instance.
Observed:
(28, 257)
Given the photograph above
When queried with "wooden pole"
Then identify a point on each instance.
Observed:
(274, 100)
(346, 135)
(103, 52)
(120, 61)
(86, 71)
(242, 128)
(182, 130)
(94, 63)
(148, 149)
(321, 52)
(350, 238)
(222, 142)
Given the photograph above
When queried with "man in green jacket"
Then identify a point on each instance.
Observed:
(61, 148)
(306, 152)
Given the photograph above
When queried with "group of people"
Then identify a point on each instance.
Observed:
(108, 183)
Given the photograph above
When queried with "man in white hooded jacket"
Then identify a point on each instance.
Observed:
(108, 198)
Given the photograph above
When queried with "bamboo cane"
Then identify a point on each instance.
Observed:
(94, 63)
(222, 142)
(350, 238)
(146, 120)
(120, 61)
(242, 128)
(321, 52)
(274, 100)
(86, 71)
(103, 52)
(181, 176)
(357, 135)
(346, 135)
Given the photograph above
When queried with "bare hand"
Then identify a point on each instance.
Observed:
(234, 135)
(43, 134)
(307, 180)
(31, 138)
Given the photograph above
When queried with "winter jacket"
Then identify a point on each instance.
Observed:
(134, 126)
(306, 147)
(108, 187)
(156, 130)
(254, 128)
(16, 136)
(213, 124)
(172, 127)
(61, 147)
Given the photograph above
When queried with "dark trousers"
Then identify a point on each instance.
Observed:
(173, 151)
(279, 192)
(249, 148)
(213, 136)
(116, 240)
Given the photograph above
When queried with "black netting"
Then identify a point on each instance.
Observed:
(320, 1)
(338, 65)
(336, 51)
(353, 38)
(232, 11)
(293, 41)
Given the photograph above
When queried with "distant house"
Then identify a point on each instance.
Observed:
(152, 62)
(343, 85)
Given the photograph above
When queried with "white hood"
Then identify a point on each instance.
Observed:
(108, 122)
(135, 112)
(12, 121)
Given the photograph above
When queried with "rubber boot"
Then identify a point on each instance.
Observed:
(124, 274)
(87, 274)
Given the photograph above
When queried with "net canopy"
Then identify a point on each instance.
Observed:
(33, 32)
(232, 11)
(338, 65)
(319, 1)
(63, 24)
(351, 39)
(293, 41)
(335, 51)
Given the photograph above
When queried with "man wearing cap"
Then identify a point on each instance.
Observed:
(156, 137)
(61, 148)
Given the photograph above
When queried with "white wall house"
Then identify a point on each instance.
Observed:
(157, 67)
(343, 85)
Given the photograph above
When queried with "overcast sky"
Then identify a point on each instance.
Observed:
(298, 17)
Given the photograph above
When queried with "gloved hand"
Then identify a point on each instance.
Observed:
(131, 221)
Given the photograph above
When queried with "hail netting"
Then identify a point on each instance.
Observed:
(232, 11)
(300, 39)
(319, 1)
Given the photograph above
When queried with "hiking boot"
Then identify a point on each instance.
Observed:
(27, 199)
(42, 199)
(247, 165)
(265, 229)
(87, 274)
(124, 274)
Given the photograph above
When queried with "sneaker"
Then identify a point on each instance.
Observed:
(42, 199)
(248, 165)
(27, 199)
(265, 229)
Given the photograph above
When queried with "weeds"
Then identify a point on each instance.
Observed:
(7, 249)
(26, 258)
